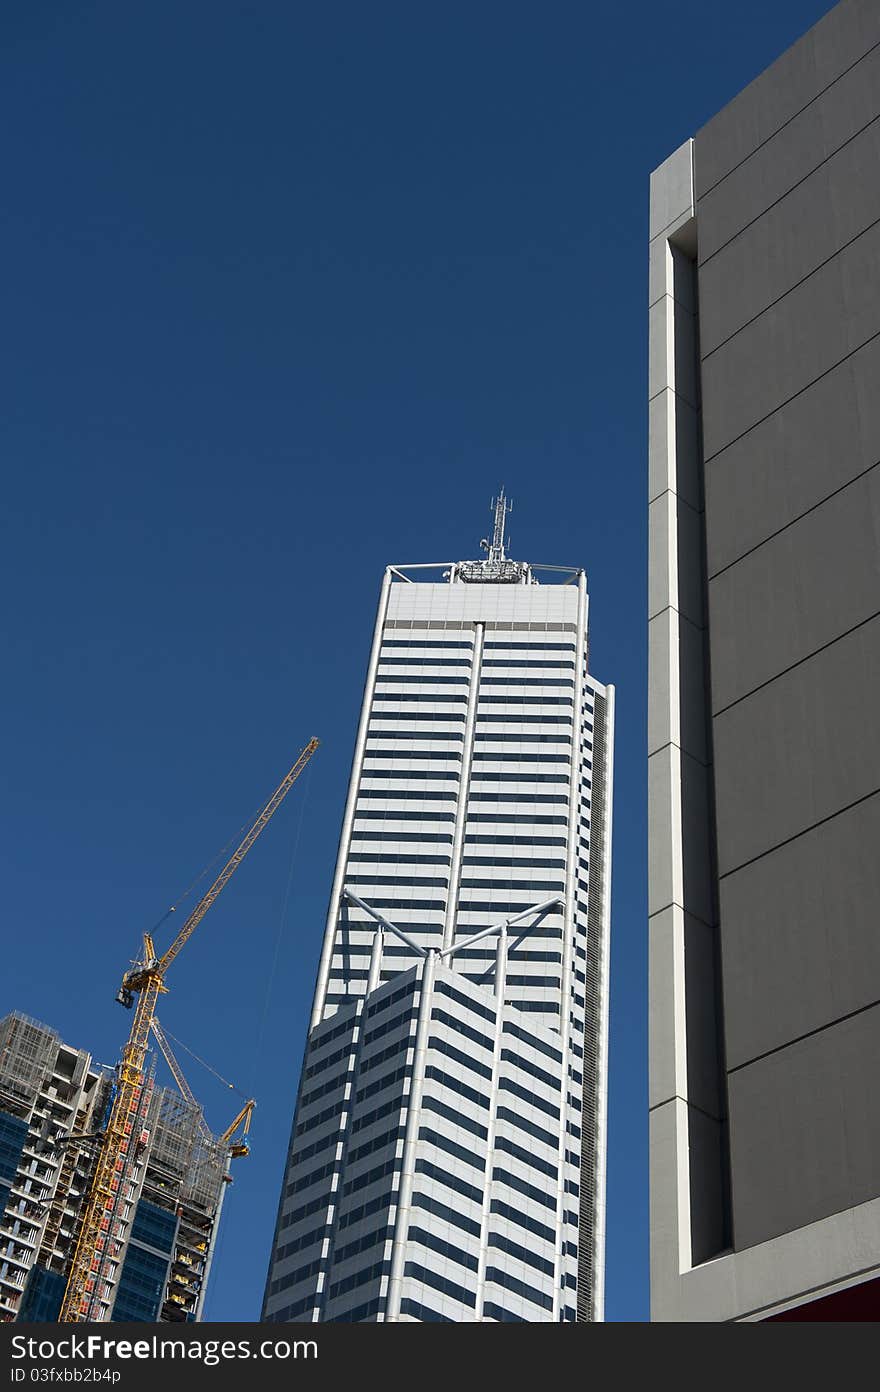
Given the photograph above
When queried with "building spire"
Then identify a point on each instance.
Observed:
(495, 549)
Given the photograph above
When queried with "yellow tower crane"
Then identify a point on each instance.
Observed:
(235, 1148)
(239, 1146)
(146, 981)
(180, 1080)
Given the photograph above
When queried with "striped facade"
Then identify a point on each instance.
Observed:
(447, 1153)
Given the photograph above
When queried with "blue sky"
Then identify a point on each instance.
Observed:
(289, 291)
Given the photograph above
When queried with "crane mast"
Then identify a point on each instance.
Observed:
(146, 981)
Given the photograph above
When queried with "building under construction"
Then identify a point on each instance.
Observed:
(154, 1254)
(111, 1187)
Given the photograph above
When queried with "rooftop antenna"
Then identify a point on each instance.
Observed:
(495, 548)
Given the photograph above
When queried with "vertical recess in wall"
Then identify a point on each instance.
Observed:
(687, 1083)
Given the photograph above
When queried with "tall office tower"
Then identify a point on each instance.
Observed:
(764, 744)
(447, 1154)
(159, 1242)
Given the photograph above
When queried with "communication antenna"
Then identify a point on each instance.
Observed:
(495, 549)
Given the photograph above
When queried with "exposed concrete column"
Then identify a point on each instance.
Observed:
(467, 754)
(407, 1170)
(375, 975)
(500, 984)
(568, 912)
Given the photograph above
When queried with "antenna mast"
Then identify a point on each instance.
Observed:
(502, 508)
(495, 568)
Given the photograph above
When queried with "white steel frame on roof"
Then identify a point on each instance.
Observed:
(450, 570)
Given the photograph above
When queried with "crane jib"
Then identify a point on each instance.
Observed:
(100, 1224)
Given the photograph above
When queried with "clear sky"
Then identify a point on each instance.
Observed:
(289, 290)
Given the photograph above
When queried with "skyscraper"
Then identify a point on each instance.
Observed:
(764, 742)
(446, 1159)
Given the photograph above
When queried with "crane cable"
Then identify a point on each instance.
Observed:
(192, 1054)
(236, 836)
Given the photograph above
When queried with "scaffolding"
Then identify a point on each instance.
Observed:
(180, 1152)
(27, 1053)
(174, 1125)
(207, 1172)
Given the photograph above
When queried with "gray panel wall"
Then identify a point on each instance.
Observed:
(787, 184)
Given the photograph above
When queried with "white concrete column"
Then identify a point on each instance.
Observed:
(500, 984)
(501, 966)
(605, 978)
(467, 755)
(568, 912)
(375, 976)
(413, 1117)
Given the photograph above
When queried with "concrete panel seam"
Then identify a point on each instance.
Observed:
(801, 515)
(674, 744)
(794, 396)
(791, 289)
(810, 1034)
(665, 295)
(788, 839)
(679, 497)
(674, 564)
(698, 511)
(782, 126)
(674, 904)
(679, 397)
(672, 462)
(698, 628)
(674, 300)
(693, 1106)
(847, 633)
(782, 197)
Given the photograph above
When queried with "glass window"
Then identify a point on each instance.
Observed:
(441, 1283)
(154, 1226)
(447, 1215)
(141, 1287)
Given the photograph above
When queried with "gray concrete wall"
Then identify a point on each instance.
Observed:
(786, 226)
(788, 187)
